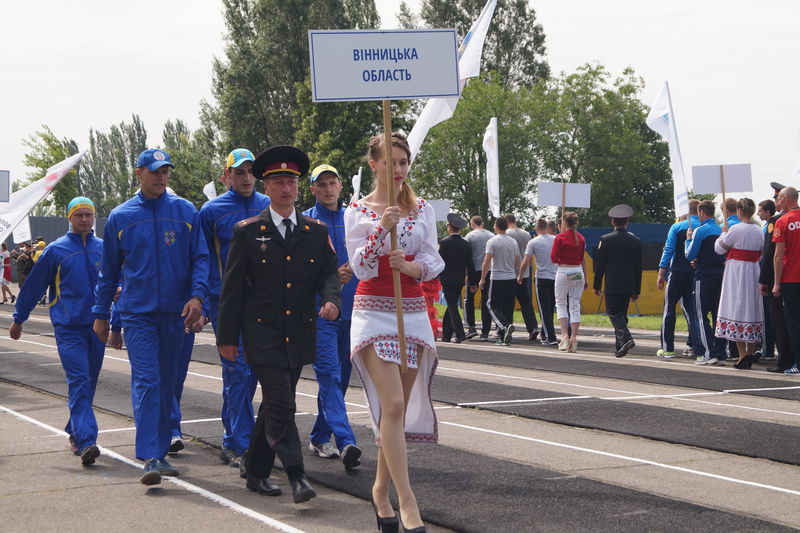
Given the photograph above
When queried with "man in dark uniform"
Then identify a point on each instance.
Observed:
(278, 262)
(458, 266)
(619, 259)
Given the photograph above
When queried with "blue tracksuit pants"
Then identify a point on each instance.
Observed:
(238, 388)
(181, 369)
(332, 367)
(81, 354)
(154, 345)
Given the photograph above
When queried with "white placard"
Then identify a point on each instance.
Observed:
(349, 65)
(577, 194)
(706, 178)
(441, 208)
(5, 185)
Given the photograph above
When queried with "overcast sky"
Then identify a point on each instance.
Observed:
(733, 67)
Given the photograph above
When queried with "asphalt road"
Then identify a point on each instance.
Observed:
(531, 439)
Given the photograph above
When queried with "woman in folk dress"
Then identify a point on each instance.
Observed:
(741, 308)
(400, 404)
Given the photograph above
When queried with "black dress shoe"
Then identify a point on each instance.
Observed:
(264, 485)
(622, 352)
(301, 490)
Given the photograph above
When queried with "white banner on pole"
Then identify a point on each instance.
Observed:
(356, 181)
(24, 200)
(348, 65)
(469, 65)
(551, 193)
(707, 179)
(22, 233)
(210, 190)
(490, 146)
(661, 119)
(441, 208)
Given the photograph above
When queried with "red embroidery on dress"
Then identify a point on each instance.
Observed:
(387, 303)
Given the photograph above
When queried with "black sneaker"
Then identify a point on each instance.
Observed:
(507, 334)
(89, 454)
(350, 456)
(166, 469)
(73, 446)
(471, 334)
(226, 455)
(533, 335)
(151, 475)
(175, 445)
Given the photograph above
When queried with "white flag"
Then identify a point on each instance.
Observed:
(24, 200)
(492, 166)
(356, 181)
(469, 65)
(662, 120)
(210, 190)
(22, 233)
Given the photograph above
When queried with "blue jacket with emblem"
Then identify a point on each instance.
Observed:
(701, 247)
(335, 222)
(218, 217)
(155, 250)
(70, 269)
(674, 256)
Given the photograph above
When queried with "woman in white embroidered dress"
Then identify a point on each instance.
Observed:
(741, 308)
(400, 404)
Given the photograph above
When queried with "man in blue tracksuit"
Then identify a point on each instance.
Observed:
(709, 267)
(153, 243)
(676, 275)
(332, 365)
(218, 217)
(69, 266)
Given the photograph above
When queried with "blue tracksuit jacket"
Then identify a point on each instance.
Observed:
(701, 247)
(674, 257)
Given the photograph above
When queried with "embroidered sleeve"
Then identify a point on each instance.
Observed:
(428, 258)
(721, 245)
(365, 240)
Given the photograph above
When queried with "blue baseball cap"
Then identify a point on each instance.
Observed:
(153, 159)
(239, 156)
(318, 171)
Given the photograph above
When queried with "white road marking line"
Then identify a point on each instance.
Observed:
(764, 389)
(49, 364)
(531, 400)
(627, 458)
(264, 519)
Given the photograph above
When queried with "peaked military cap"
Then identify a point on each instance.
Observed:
(281, 161)
(621, 211)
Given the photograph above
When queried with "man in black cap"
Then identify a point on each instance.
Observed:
(619, 259)
(277, 263)
(458, 266)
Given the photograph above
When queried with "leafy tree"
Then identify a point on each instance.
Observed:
(46, 149)
(514, 46)
(195, 159)
(109, 167)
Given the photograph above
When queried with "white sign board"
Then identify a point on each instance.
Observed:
(5, 185)
(349, 65)
(706, 178)
(441, 208)
(577, 194)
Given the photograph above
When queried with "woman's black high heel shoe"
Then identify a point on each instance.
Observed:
(386, 525)
(745, 363)
(420, 529)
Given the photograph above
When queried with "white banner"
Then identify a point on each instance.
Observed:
(24, 200)
(662, 120)
(356, 181)
(210, 190)
(441, 208)
(492, 166)
(348, 65)
(22, 233)
(552, 193)
(714, 179)
(469, 65)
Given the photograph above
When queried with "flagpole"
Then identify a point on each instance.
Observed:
(398, 293)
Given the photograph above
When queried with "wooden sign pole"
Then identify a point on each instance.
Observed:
(722, 185)
(563, 202)
(398, 294)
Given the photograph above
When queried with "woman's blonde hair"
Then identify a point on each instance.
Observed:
(407, 199)
(571, 221)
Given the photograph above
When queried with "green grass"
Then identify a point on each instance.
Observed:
(638, 322)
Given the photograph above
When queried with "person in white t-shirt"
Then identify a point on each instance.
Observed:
(503, 257)
(537, 252)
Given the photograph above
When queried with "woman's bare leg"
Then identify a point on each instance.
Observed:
(393, 389)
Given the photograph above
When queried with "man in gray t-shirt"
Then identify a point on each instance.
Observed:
(503, 258)
(522, 290)
(477, 239)
(538, 252)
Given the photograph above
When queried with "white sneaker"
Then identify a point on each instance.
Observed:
(325, 450)
(705, 361)
(175, 445)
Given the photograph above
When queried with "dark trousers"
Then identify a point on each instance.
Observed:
(707, 291)
(617, 309)
(546, 299)
(768, 346)
(451, 321)
(778, 323)
(790, 294)
(522, 292)
(469, 308)
(501, 302)
(679, 289)
(275, 432)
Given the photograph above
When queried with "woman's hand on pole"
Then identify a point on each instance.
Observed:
(390, 217)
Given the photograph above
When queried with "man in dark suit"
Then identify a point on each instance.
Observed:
(278, 262)
(457, 255)
(619, 260)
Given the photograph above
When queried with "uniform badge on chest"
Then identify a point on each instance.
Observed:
(263, 241)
